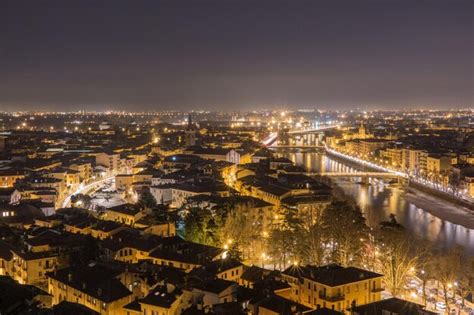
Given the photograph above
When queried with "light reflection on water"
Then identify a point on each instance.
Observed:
(377, 201)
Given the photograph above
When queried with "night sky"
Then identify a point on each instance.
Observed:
(223, 54)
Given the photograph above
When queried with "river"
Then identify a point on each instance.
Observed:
(378, 200)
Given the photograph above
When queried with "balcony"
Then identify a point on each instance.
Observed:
(377, 290)
(332, 299)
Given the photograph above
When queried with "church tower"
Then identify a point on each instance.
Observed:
(190, 132)
(362, 131)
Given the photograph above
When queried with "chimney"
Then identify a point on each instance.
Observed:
(69, 277)
(83, 286)
(99, 291)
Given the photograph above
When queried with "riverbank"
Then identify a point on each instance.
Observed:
(440, 208)
(443, 195)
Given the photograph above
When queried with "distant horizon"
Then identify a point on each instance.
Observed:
(149, 109)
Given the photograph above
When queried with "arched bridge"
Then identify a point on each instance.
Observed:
(311, 130)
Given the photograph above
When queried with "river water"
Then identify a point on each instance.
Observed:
(378, 200)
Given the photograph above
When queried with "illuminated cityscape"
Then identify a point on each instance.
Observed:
(237, 157)
(309, 209)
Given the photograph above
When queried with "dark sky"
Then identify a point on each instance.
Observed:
(223, 54)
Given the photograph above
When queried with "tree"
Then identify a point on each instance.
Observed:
(312, 245)
(81, 201)
(398, 258)
(146, 199)
(278, 247)
(344, 229)
(448, 271)
(454, 182)
(465, 284)
(200, 226)
(314, 250)
(242, 228)
(426, 269)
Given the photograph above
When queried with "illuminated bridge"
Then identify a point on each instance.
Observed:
(312, 130)
(298, 138)
(357, 174)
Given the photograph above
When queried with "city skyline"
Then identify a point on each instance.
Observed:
(236, 55)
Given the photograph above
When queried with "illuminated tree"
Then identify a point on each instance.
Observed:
(448, 271)
(314, 249)
(242, 227)
(426, 269)
(398, 256)
(344, 229)
(200, 226)
(278, 247)
(465, 284)
(288, 240)
(81, 201)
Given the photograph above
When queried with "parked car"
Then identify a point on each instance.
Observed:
(440, 305)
